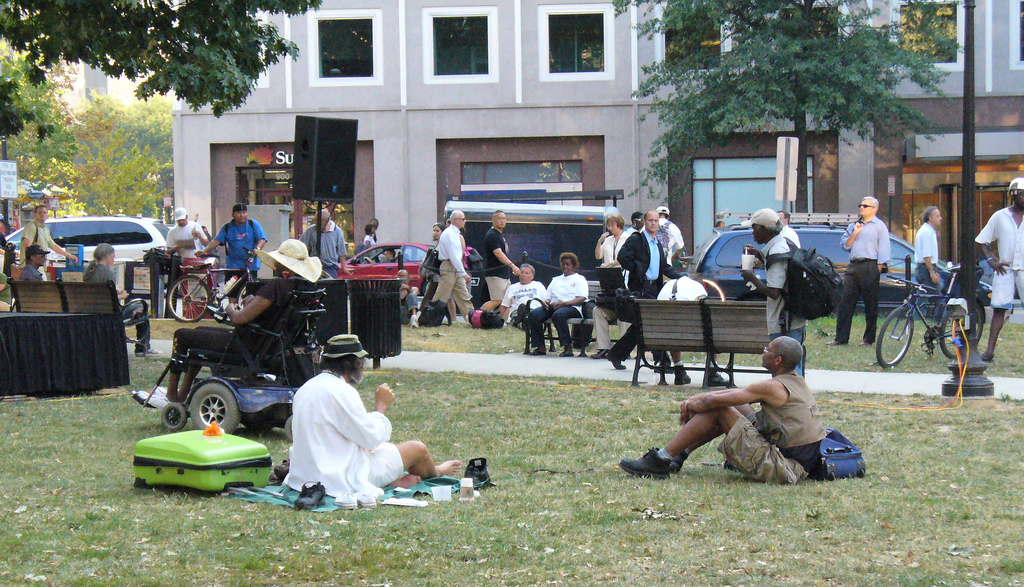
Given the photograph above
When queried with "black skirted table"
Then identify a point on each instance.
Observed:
(61, 353)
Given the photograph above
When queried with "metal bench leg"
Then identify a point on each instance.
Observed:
(709, 364)
(636, 367)
(732, 374)
(661, 368)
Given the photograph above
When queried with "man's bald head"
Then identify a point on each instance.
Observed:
(789, 350)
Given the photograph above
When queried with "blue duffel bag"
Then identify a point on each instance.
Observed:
(840, 458)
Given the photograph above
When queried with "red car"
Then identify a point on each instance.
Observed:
(380, 262)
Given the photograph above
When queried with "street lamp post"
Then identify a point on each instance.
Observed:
(975, 384)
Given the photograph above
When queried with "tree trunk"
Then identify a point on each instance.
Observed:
(800, 129)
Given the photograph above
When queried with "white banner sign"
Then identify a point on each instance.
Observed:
(8, 180)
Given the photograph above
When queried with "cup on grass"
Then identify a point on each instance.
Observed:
(747, 262)
(442, 492)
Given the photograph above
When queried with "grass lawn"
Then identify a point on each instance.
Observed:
(943, 502)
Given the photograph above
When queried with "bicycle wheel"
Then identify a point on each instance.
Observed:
(948, 331)
(894, 338)
(187, 298)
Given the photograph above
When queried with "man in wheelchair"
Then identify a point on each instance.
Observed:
(195, 347)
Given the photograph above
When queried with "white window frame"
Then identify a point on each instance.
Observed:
(263, 80)
(1015, 41)
(491, 13)
(544, 12)
(313, 37)
(958, 65)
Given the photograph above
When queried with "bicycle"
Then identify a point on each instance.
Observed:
(924, 304)
(189, 296)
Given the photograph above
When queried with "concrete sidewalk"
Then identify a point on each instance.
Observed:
(519, 365)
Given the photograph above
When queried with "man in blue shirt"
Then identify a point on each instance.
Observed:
(241, 236)
(868, 243)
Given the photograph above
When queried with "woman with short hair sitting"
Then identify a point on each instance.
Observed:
(563, 301)
(99, 271)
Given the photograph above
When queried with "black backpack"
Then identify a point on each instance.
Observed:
(813, 288)
(433, 313)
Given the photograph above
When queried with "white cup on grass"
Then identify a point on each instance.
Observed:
(442, 492)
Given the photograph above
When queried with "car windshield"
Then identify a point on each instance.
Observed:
(161, 228)
(730, 253)
(699, 252)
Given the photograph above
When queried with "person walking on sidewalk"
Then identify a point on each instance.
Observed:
(868, 243)
(454, 278)
(1005, 227)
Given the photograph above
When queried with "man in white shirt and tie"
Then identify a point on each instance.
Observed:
(454, 278)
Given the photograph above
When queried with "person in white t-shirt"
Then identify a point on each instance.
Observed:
(565, 296)
(527, 289)
(337, 442)
(926, 247)
(185, 236)
(787, 232)
(1005, 229)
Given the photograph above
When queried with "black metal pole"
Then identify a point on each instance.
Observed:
(975, 384)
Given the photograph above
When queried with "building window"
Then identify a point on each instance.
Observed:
(735, 185)
(921, 23)
(576, 42)
(345, 47)
(1016, 34)
(541, 176)
(460, 45)
(704, 45)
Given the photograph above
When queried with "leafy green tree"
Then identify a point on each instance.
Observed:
(792, 63)
(45, 149)
(206, 52)
(115, 172)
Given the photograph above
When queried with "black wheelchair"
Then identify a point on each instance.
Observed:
(255, 387)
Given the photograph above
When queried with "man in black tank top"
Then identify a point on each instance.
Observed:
(776, 444)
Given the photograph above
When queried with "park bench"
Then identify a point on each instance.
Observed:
(551, 337)
(704, 326)
(65, 297)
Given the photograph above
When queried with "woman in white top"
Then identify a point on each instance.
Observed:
(926, 247)
(565, 297)
(611, 241)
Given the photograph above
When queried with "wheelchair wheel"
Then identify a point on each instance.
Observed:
(173, 416)
(214, 402)
(187, 298)
(288, 428)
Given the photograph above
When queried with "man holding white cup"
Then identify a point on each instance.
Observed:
(768, 232)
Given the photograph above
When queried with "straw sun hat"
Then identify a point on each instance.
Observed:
(293, 256)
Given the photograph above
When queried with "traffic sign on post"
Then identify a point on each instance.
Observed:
(8, 180)
(785, 169)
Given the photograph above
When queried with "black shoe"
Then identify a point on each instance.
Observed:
(311, 496)
(716, 380)
(730, 467)
(538, 352)
(600, 354)
(477, 471)
(677, 463)
(681, 377)
(649, 465)
(566, 352)
(616, 363)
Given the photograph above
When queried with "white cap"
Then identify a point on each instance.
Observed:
(766, 217)
(180, 213)
(1017, 184)
(662, 210)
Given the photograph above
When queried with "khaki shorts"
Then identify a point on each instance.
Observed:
(385, 464)
(759, 459)
(496, 287)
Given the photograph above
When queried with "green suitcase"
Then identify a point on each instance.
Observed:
(209, 463)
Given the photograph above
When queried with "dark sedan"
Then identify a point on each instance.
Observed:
(718, 258)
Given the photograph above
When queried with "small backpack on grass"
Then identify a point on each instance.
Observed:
(433, 313)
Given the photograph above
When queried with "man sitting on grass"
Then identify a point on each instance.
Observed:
(337, 442)
(777, 444)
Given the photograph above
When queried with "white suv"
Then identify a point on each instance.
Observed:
(131, 237)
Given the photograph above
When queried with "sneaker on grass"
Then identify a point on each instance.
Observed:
(366, 501)
(346, 501)
(649, 465)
